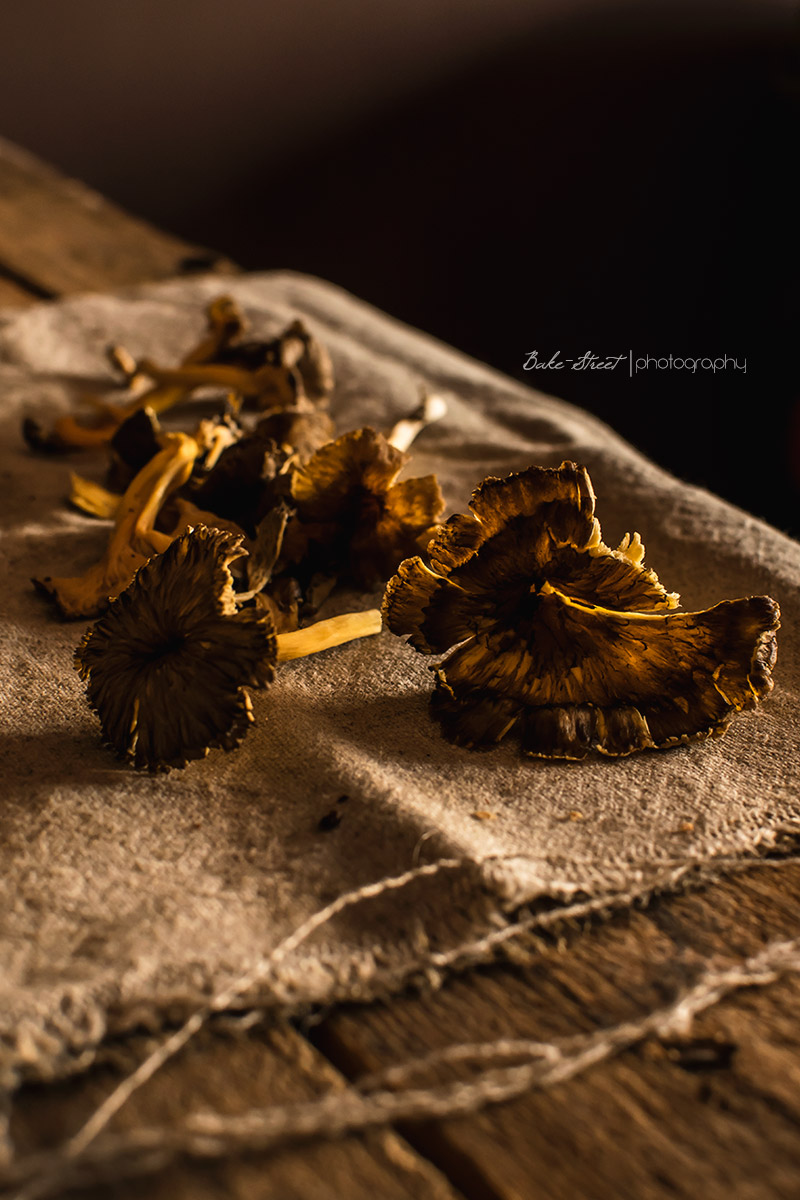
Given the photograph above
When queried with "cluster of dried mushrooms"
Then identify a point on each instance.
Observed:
(225, 541)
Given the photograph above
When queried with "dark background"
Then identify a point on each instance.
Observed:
(508, 175)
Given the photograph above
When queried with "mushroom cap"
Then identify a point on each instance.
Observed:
(168, 664)
(576, 642)
(351, 514)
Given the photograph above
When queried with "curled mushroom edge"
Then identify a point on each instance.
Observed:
(169, 665)
(576, 644)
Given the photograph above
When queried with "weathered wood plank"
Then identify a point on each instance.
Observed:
(229, 1074)
(12, 293)
(60, 236)
(714, 1116)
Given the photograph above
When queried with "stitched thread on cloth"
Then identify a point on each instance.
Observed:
(211, 1135)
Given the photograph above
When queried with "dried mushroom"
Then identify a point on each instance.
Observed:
(179, 515)
(352, 518)
(68, 434)
(265, 547)
(168, 666)
(301, 428)
(295, 350)
(92, 498)
(277, 373)
(224, 323)
(575, 643)
(243, 484)
(314, 363)
(134, 443)
(134, 537)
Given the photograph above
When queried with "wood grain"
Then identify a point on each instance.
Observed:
(58, 236)
(716, 1114)
(16, 294)
(229, 1073)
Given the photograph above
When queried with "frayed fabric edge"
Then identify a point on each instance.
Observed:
(68, 1039)
(265, 987)
(386, 1097)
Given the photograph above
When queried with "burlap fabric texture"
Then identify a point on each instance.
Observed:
(130, 898)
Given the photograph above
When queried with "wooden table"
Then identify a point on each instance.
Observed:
(715, 1115)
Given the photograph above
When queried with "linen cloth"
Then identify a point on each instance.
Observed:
(129, 898)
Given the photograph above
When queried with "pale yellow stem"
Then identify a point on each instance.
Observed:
(324, 634)
(215, 439)
(133, 539)
(403, 433)
(227, 375)
(123, 361)
(139, 507)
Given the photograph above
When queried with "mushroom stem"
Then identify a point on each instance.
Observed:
(324, 634)
(140, 505)
(134, 538)
(73, 434)
(123, 361)
(225, 322)
(431, 408)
